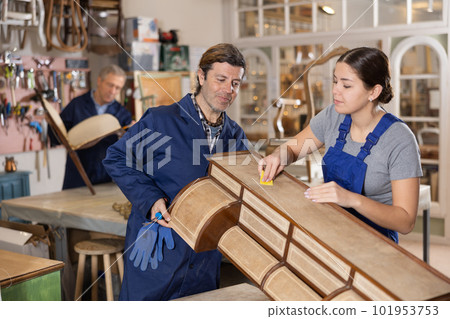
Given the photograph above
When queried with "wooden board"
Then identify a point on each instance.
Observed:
(279, 239)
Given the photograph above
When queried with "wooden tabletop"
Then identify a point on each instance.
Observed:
(15, 268)
(72, 208)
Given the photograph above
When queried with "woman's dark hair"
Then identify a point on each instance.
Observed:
(372, 67)
(223, 52)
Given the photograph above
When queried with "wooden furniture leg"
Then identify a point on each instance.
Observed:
(94, 276)
(80, 168)
(80, 276)
(108, 277)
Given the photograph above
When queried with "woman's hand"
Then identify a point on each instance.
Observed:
(272, 165)
(331, 193)
(160, 206)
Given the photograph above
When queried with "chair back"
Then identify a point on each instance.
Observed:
(280, 126)
(163, 89)
(55, 120)
(428, 135)
(307, 83)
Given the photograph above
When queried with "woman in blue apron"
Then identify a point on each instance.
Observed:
(372, 162)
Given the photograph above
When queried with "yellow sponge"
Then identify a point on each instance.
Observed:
(265, 183)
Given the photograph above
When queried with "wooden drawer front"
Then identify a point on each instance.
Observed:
(313, 271)
(264, 231)
(348, 295)
(321, 253)
(369, 289)
(278, 220)
(247, 254)
(282, 284)
(226, 180)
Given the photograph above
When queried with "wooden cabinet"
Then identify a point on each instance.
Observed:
(14, 185)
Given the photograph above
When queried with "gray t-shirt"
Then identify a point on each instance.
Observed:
(396, 155)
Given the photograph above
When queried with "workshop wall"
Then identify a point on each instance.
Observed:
(185, 19)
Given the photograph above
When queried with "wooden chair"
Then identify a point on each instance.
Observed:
(23, 15)
(159, 89)
(310, 106)
(83, 135)
(64, 26)
(103, 12)
(307, 81)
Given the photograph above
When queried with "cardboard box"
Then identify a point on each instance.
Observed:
(13, 237)
(141, 29)
(174, 57)
(142, 56)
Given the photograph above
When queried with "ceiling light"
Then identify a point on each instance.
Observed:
(327, 9)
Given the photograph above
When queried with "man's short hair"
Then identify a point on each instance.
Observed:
(111, 69)
(223, 52)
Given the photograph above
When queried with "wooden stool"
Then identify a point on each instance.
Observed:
(94, 248)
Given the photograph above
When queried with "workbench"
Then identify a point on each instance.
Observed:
(73, 208)
(28, 278)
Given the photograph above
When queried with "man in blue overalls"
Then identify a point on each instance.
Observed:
(372, 161)
(155, 159)
(110, 81)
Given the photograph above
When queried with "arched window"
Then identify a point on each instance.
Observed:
(419, 67)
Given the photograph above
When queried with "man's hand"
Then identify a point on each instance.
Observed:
(160, 206)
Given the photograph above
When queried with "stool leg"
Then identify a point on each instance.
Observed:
(94, 275)
(80, 276)
(120, 265)
(108, 277)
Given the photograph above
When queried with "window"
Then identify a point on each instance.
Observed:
(262, 18)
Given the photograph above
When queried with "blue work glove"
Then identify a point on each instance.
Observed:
(144, 247)
(164, 234)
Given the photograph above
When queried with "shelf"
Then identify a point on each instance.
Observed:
(429, 76)
(420, 119)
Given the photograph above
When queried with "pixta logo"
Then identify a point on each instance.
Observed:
(144, 145)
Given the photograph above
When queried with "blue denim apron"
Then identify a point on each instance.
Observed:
(349, 171)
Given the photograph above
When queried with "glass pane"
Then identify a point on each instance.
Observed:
(420, 59)
(359, 14)
(274, 21)
(427, 134)
(300, 18)
(326, 21)
(419, 97)
(247, 3)
(392, 12)
(248, 24)
(265, 2)
(253, 99)
(426, 10)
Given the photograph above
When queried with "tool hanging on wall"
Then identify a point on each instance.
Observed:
(43, 86)
(44, 140)
(31, 83)
(66, 15)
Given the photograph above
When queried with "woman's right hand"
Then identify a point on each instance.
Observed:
(272, 165)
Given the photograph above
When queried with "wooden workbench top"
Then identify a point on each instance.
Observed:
(15, 268)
